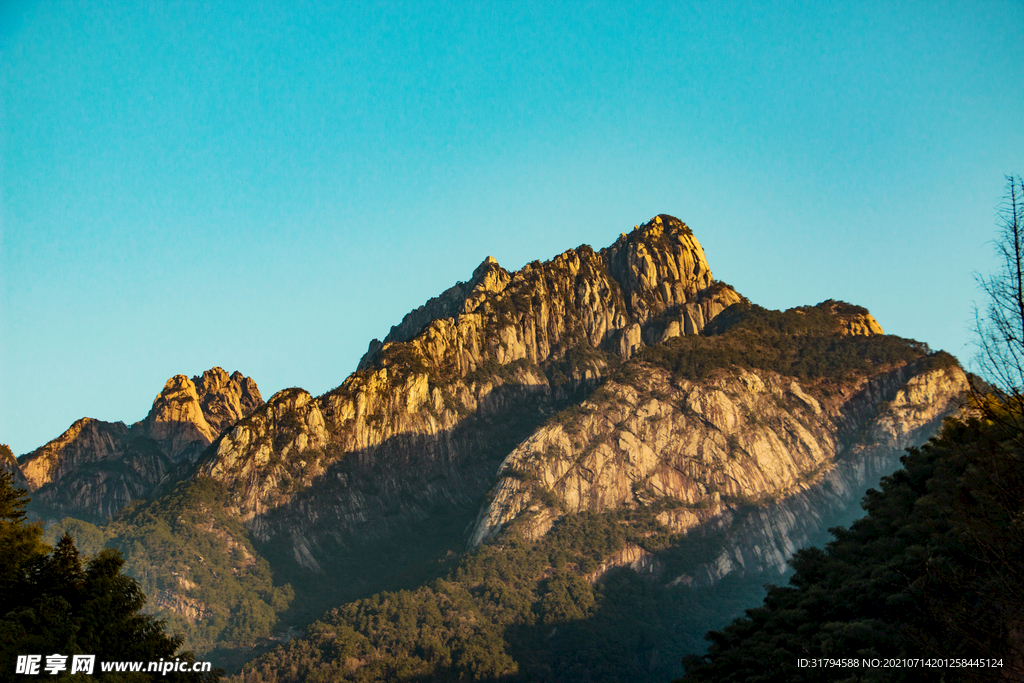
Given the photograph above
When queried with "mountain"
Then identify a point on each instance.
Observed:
(544, 443)
(95, 468)
(443, 399)
(929, 578)
(700, 464)
(9, 463)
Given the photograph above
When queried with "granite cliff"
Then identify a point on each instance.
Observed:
(792, 457)
(95, 468)
(475, 368)
(624, 381)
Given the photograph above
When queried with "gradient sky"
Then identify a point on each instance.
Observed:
(266, 186)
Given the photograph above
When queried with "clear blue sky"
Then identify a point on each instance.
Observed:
(266, 186)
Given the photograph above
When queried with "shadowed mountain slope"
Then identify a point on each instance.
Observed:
(620, 394)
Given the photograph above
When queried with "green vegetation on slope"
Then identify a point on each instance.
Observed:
(51, 604)
(195, 561)
(520, 611)
(189, 534)
(933, 571)
(802, 342)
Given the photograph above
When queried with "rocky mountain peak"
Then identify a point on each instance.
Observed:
(189, 414)
(9, 463)
(659, 265)
(87, 440)
(463, 297)
(7, 458)
(97, 467)
(485, 266)
(481, 347)
(488, 277)
(852, 319)
(226, 399)
(176, 420)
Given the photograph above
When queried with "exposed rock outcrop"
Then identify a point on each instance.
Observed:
(95, 468)
(505, 341)
(8, 463)
(87, 440)
(458, 299)
(189, 413)
(794, 458)
(176, 421)
(853, 319)
(487, 348)
(226, 399)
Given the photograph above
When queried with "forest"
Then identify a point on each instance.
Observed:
(933, 573)
(52, 602)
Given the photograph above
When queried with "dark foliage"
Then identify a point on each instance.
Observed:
(189, 533)
(519, 611)
(52, 603)
(801, 342)
(934, 570)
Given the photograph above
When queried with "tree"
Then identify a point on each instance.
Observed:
(51, 604)
(20, 543)
(1000, 327)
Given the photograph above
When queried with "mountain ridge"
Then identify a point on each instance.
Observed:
(672, 399)
(95, 467)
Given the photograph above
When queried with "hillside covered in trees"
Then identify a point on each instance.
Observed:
(53, 603)
(929, 581)
(570, 472)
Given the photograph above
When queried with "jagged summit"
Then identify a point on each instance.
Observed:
(460, 298)
(624, 382)
(189, 413)
(96, 467)
(550, 327)
(9, 463)
(658, 266)
(852, 319)
(486, 264)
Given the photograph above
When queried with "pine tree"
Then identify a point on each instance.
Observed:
(51, 603)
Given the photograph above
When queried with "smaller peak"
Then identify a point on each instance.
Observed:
(488, 264)
(175, 388)
(662, 225)
(292, 397)
(854, 320)
(81, 423)
(212, 380)
(668, 223)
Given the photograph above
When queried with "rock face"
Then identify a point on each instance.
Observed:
(176, 421)
(488, 277)
(519, 397)
(226, 399)
(744, 438)
(8, 463)
(95, 468)
(457, 372)
(189, 413)
(87, 440)
(430, 412)
(853, 319)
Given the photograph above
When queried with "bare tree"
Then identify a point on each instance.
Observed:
(1000, 327)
